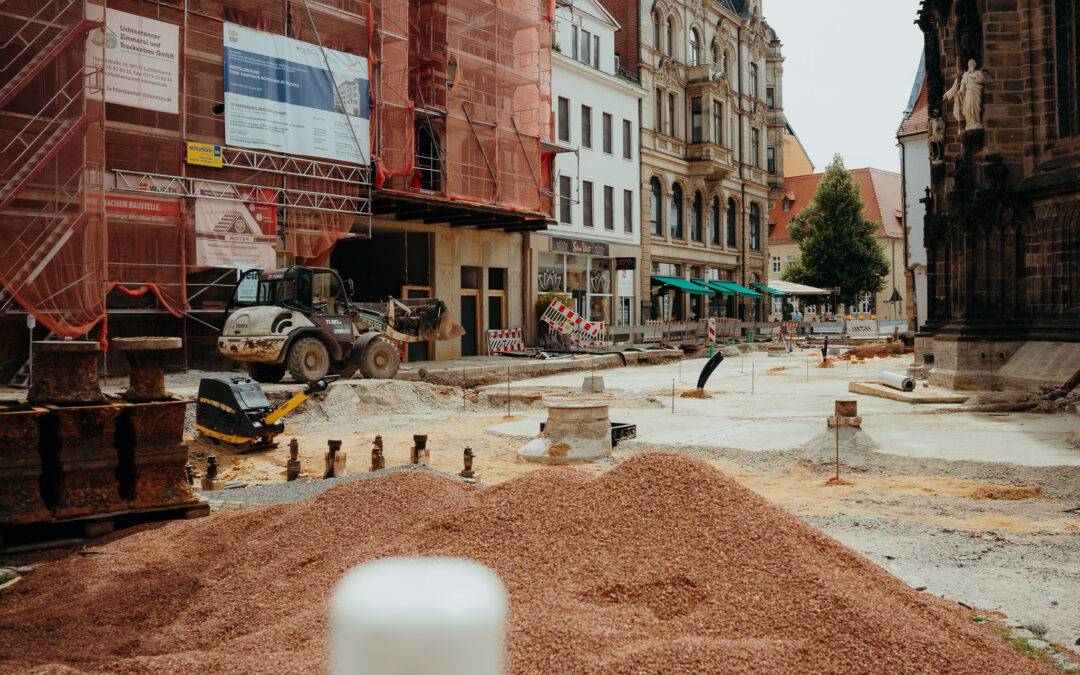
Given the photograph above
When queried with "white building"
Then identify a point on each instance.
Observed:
(593, 252)
(913, 138)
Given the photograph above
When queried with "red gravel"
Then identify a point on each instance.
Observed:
(661, 565)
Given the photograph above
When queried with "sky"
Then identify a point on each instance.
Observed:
(848, 71)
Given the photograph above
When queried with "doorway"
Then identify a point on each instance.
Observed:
(470, 320)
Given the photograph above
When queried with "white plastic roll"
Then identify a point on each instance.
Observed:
(896, 380)
(418, 616)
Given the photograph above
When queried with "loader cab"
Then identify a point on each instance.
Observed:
(311, 290)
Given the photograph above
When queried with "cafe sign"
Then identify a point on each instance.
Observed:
(579, 246)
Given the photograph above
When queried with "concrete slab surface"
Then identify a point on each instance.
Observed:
(920, 395)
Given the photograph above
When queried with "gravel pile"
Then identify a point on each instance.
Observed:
(663, 564)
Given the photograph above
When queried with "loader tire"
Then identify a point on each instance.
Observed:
(308, 360)
(380, 361)
(266, 373)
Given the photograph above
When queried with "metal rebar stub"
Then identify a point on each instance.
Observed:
(65, 372)
(468, 472)
(146, 356)
(335, 460)
(210, 476)
(292, 467)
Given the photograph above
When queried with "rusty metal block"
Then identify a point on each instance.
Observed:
(146, 356)
(77, 442)
(153, 456)
(65, 372)
(20, 466)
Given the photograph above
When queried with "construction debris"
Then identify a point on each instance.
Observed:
(881, 350)
(663, 564)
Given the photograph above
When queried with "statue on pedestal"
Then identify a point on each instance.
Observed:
(966, 97)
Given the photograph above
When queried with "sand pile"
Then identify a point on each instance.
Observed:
(662, 564)
(878, 350)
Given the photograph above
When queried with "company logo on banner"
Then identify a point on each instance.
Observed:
(280, 96)
(142, 64)
(234, 234)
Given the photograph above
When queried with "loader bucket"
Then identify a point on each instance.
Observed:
(448, 329)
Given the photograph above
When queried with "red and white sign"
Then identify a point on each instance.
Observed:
(234, 234)
(566, 321)
(127, 208)
(503, 341)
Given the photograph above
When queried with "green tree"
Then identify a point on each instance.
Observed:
(836, 243)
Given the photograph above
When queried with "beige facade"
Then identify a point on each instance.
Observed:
(711, 150)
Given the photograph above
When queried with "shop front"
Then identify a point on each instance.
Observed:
(595, 279)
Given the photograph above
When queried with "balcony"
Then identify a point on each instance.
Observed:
(704, 72)
(709, 161)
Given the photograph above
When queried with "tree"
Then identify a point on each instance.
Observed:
(836, 242)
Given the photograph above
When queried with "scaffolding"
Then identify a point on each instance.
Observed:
(97, 202)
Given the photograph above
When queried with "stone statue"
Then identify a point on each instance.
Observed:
(937, 139)
(966, 97)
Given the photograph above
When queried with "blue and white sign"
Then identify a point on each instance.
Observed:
(281, 96)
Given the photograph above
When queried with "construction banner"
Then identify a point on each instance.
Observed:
(294, 97)
(234, 234)
(142, 59)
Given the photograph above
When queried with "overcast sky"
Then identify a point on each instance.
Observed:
(849, 69)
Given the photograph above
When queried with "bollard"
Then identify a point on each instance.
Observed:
(335, 460)
(418, 615)
(292, 467)
(467, 472)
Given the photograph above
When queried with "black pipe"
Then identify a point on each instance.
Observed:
(707, 371)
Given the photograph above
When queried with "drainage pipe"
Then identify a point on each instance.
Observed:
(896, 380)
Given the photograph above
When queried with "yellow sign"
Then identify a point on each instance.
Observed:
(204, 154)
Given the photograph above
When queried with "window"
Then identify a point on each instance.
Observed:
(1067, 29)
(586, 203)
(732, 224)
(776, 263)
(671, 129)
(695, 120)
(564, 119)
(607, 133)
(658, 123)
(586, 126)
(675, 213)
(574, 40)
(656, 31)
(755, 147)
(628, 211)
(770, 97)
(609, 208)
(627, 140)
(565, 202)
(717, 57)
(669, 47)
(714, 222)
(770, 160)
(695, 47)
(496, 278)
(585, 50)
(656, 226)
(696, 224)
(717, 122)
(755, 227)
(596, 51)
(753, 80)
(787, 204)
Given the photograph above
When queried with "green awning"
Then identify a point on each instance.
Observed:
(769, 291)
(715, 286)
(732, 288)
(682, 285)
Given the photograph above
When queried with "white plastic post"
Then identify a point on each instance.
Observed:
(418, 616)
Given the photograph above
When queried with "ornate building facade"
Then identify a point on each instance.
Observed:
(712, 139)
(1002, 224)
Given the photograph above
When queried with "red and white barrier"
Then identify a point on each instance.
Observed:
(568, 322)
(505, 340)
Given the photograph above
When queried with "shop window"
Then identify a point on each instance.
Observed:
(564, 119)
(628, 211)
(609, 208)
(627, 140)
(587, 203)
(697, 302)
(696, 224)
(566, 202)
(586, 126)
(607, 134)
(471, 277)
(656, 224)
(550, 276)
(676, 212)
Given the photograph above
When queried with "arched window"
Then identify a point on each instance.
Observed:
(714, 222)
(669, 46)
(675, 212)
(717, 56)
(695, 47)
(656, 30)
(696, 224)
(755, 227)
(656, 225)
(732, 223)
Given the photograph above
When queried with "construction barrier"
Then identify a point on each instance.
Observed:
(505, 340)
(564, 320)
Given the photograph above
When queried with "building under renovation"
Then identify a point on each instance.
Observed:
(151, 148)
